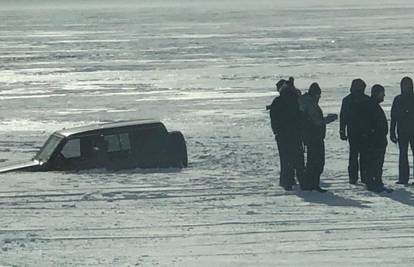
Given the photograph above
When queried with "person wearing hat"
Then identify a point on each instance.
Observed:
(314, 131)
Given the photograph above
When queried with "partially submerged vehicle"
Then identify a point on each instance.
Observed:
(114, 146)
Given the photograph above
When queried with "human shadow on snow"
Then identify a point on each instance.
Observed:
(401, 195)
(331, 199)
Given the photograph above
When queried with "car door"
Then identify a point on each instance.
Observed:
(119, 151)
(81, 153)
(148, 146)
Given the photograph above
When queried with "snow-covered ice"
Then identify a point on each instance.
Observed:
(208, 70)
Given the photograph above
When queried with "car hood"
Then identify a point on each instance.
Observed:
(18, 166)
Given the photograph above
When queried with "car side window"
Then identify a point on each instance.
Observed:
(71, 149)
(113, 143)
(124, 140)
(118, 142)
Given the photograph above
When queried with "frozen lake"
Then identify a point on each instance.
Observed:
(208, 70)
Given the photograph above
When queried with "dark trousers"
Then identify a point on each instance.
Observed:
(291, 159)
(357, 158)
(315, 162)
(376, 154)
(404, 169)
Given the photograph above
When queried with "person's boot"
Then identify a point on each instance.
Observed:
(371, 186)
(379, 188)
(353, 176)
(363, 180)
(353, 180)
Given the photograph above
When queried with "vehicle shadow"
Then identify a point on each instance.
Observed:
(331, 199)
(401, 195)
(130, 171)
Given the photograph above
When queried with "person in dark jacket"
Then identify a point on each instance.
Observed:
(279, 86)
(402, 119)
(377, 141)
(352, 129)
(314, 131)
(286, 119)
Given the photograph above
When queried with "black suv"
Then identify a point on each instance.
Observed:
(114, 146)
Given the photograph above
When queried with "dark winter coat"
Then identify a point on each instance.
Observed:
(314, 126)
(402, 114)
(285, 116)
(350, 119)
(377, 123)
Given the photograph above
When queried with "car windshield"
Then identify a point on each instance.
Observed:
(48, 148)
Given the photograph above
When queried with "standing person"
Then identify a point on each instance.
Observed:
(352, 129)
(377, 141)
(314, 131)
(402, 118)
(286, 119)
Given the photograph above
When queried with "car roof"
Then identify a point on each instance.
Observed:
(95, 127)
